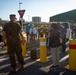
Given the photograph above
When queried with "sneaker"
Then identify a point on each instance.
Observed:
(54, 67)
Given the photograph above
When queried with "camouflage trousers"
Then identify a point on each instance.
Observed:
(13, 52)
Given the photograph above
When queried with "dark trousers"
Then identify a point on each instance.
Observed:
(15, 50)
(0, 38)
(28, 36)
(64, 45)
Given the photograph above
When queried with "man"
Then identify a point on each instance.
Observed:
(63, 36)
(33, 33)
(28, 27)
(54, 44)
(47, 30)
(12, 33)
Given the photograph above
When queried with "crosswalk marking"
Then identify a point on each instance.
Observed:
(3, 59)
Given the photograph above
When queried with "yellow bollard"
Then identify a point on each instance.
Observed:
(72, 55)
(24, 47)
(43, 50)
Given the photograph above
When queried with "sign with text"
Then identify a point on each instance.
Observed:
(21, 13)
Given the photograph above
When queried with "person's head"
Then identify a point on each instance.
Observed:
(28, 24)
(32, 25)
(12, 17)
(54, 25)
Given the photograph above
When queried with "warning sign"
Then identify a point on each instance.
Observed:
(21, 13)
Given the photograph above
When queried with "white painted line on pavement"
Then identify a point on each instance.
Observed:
(3, 59)
(64, 58)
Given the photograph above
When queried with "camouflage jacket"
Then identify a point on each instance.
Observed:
(12, 30)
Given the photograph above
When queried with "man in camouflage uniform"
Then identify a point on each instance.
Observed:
(12, 33)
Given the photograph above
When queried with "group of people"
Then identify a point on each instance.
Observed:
(31, 32)
(34, 33)
(12, 33)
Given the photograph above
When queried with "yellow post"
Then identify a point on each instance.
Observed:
(43, 50)
(24, 47)
(72, 55)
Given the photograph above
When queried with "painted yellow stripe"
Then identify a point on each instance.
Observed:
(42, 39)
(42, 43)
(72, 42)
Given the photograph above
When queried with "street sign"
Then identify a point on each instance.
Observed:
(21, 13)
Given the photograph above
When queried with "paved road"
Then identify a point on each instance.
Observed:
(34, 67)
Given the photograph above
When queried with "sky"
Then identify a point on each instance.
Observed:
(33, 8)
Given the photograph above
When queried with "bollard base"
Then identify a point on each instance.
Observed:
(67, 67)
(24, 55)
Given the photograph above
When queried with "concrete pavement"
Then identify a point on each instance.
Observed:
(33, 67)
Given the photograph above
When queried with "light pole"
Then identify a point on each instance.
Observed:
(20, 5)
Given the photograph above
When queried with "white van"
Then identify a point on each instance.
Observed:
(67, 26)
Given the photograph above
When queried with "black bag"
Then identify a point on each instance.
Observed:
(33, 54)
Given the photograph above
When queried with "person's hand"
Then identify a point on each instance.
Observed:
(4, 43)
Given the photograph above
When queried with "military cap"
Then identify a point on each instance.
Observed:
(13, 15)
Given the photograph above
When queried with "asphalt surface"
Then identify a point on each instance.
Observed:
(34, 67)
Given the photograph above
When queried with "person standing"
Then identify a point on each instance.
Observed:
(54, 44)
(28, 27)
(33, 33)
(12, 33)
(63, 36)
(47, 30)
(73, 33)
(1, 40)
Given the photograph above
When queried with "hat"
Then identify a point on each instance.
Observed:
(13, 15)
(54, 25)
